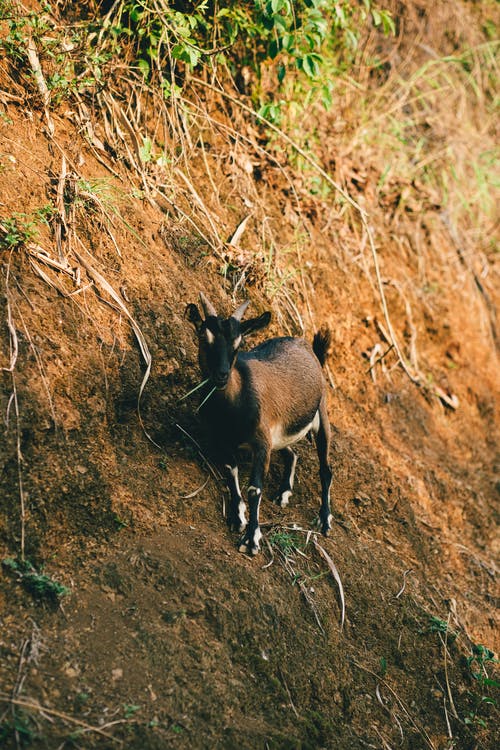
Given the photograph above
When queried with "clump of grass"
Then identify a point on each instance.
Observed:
(38, 584)
(286, 542)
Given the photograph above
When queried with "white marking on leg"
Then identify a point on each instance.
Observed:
(285, 497)
(241, 515)
(234, 473)
(233, 470)
(252, 543)
(257, 536)
(292, 472)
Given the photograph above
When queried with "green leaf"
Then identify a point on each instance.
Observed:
(144, 67)
(281, 21)
(287, 42)
(326, 96)
(388, 25)
(490, 682)
(274, 49)
(146, 150)
(310, 65)
(194, 56)
(135, 14)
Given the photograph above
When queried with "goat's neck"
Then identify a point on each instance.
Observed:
(233, 386)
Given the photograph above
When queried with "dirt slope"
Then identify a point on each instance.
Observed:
(169, 637)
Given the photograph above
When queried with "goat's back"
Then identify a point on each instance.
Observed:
(286, 377)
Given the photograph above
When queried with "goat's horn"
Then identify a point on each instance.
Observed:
(208, 308)
(239, 312)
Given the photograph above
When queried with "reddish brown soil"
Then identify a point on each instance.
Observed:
(170, 637)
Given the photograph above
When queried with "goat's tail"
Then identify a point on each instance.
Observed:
(322, 344)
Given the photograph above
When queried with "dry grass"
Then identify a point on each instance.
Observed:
(414, 153)
(425, 138)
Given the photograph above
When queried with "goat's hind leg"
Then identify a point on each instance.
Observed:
(236, 519)
(322, 437)
(286, 486)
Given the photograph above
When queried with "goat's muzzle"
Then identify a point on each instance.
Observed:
(220, 381)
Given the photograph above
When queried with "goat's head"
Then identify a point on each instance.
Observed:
(220, 338)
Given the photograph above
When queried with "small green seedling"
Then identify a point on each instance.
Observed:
(481, 657)
(120, 522)
(436, 625)
(40, 585)
(129, 709)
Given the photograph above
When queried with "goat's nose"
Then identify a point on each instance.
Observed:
(221, 377)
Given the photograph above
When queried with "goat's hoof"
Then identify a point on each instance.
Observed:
(250, 545)
(283, 499)
(247, 549)
(236, 519)
(324, 526)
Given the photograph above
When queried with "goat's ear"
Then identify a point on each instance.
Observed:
(255, 324)
(193, 315)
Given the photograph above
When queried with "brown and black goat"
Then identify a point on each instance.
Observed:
(267, 398)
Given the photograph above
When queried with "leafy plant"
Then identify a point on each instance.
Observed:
(16, 231)
(481, 658)
(69, 66)
(436, 625)
(40, 585)
(284, 35)
(21, 228)
(296, 33)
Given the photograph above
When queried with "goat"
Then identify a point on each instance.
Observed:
(268, 398)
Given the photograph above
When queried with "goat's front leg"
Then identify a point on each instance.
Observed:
(250, 542)
(236, 514)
